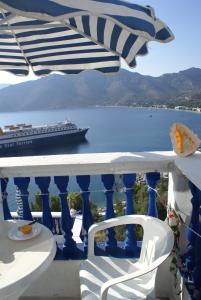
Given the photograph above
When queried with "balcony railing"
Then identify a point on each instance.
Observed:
(184, 177)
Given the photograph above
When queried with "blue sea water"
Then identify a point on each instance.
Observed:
(112, 129)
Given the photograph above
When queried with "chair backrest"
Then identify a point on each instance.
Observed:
(158, 241)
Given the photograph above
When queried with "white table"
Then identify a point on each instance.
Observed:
(21, 262)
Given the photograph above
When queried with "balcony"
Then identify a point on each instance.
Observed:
(61, 281)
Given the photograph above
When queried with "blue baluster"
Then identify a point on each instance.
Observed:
(196, 274)
(54, 229)
(108, 182)
(152, 180)
(69, 245)
(194, 225)
(43, 184)
(59, 226)
(22, 184)
(83, 182)
(6, 211)
(130, 241)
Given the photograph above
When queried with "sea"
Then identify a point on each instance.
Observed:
(111, 129)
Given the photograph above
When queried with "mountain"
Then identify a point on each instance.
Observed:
(93, 88)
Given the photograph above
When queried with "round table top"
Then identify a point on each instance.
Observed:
(23, 261)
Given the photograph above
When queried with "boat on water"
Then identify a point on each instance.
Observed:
(20, 136)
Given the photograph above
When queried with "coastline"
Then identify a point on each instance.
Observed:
(148, 107)
(98, 106)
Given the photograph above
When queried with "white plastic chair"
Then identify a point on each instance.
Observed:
(118, 278)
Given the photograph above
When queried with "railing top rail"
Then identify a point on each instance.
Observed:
(190, 167)
(87, 164)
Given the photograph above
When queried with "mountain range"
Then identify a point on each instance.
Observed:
(92, 88)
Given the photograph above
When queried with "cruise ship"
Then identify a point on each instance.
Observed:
(14, 137)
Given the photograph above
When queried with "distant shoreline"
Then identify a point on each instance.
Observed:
(101, 106)
(148, 107)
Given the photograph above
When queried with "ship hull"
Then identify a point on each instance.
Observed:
(41, 142)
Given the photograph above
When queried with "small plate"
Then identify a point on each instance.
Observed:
(16, 235)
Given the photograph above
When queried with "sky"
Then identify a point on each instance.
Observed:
(184, 19)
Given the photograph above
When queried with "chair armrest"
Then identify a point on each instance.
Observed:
(126, 277)
(129, 219)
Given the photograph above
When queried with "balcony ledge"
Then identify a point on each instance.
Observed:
(90, 163)
(102, 163)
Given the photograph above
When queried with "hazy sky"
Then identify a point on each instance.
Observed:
(184, 19)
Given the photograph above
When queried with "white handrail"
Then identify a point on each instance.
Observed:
(102, 163)
(87, 164)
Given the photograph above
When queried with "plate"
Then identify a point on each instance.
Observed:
(16, 235)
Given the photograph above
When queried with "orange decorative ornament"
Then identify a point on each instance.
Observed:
(184, 141)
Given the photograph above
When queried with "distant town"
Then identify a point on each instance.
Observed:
(194, 109)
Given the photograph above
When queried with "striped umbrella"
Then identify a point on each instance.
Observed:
(70, 36)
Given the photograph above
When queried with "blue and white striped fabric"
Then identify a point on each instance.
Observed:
(71, 36)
